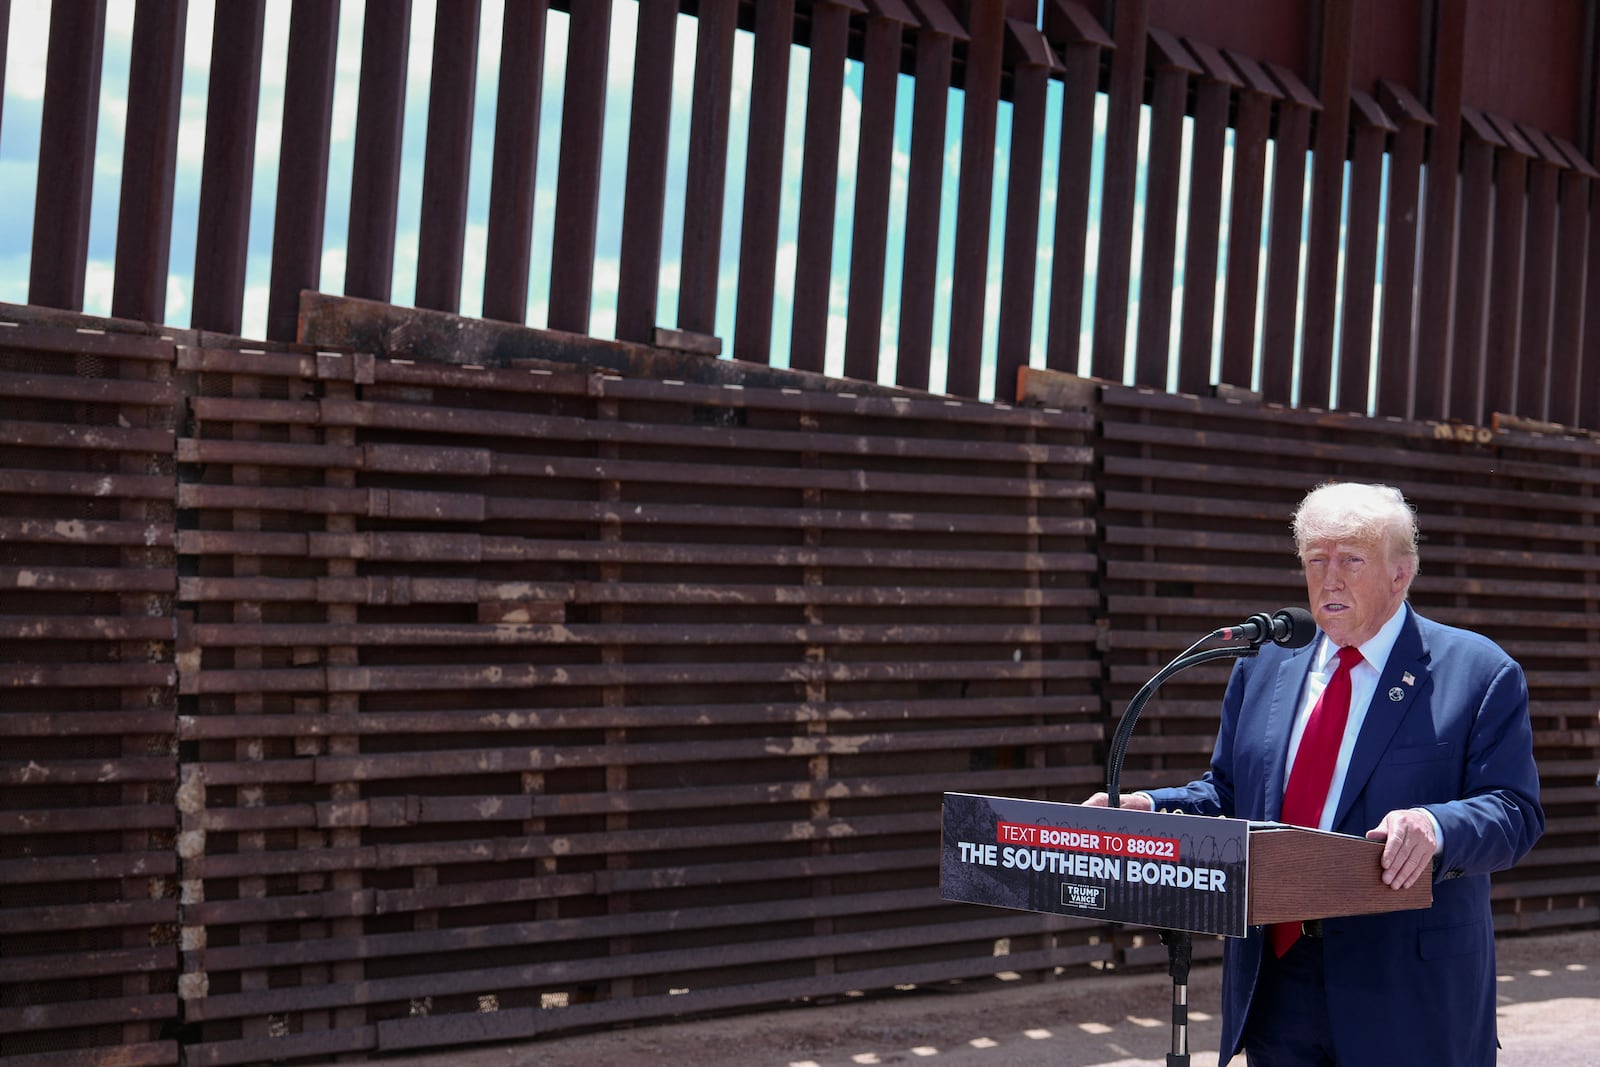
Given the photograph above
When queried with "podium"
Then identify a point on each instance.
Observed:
(1169, 871)
(1298, 874)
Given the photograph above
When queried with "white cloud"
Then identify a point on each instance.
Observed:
(347, 72)
(177, 298)
(27, 49)
(607, 278)
(98, 277)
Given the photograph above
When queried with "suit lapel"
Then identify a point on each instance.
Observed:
(1404, 676)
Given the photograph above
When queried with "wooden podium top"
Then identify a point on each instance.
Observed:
(1296, 873)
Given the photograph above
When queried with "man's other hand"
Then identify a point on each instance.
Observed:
(1408, 846)
(1131, 801)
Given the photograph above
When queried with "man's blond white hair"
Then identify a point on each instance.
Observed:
(1360, 514)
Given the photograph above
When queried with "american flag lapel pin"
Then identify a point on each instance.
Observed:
(1408, 678)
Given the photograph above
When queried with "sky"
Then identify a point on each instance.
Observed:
(19, 139)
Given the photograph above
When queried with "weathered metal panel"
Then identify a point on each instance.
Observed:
(751, 675)
(515, 701)
(88, 761)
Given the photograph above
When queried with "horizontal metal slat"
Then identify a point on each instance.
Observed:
(403, 589)
(19, 722)
(79, 963)
(34, 870)
(495, 760)
(33, 483)
(84, 627)
(478, 423)
(85, 771)
(90, 676)
(126, 392)
(698, 715)
(78, 531)
(489, 635)
(85, 438)
(816, 401)
(87, 820)
(472, 548)
(248, 362)
(341, 679)
(1327, 450)
(60, 579)
(89, 916)
(80, 1013)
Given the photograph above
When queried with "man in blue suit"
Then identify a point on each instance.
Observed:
(1434, 757)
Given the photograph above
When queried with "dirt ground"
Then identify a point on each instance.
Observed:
(1549, 1016)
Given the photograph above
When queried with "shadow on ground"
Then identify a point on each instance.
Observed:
(1549, 997)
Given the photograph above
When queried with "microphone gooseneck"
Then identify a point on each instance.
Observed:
(1289, 627)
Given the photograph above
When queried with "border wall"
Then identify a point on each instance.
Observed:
(357, 700)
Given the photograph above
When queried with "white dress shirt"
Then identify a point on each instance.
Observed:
(1363, 685)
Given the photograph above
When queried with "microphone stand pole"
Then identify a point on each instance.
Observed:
(1180, 944)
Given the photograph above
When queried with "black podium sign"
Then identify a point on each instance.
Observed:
(1171, 872)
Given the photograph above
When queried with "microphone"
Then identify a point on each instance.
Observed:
(1289, 627)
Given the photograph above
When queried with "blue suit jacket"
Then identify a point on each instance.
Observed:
(1447, 730)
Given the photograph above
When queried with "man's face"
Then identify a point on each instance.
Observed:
(1352, 588)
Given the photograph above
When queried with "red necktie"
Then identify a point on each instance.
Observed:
(1307, 791)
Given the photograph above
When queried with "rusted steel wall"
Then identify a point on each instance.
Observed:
(1406, 228)
(532, 697)
(452, 681)
(89, 868)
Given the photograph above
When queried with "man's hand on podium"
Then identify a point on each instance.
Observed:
(1131, 801)
(1409, 844)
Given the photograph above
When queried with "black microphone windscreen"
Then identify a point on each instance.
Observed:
(1293, 627)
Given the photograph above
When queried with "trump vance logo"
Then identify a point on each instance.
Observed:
(1083, 896)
